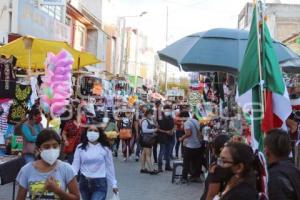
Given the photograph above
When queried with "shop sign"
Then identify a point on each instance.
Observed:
(53, 2)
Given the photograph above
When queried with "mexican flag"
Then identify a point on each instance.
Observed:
(277, 104)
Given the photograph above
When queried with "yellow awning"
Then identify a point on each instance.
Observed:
(32, 50)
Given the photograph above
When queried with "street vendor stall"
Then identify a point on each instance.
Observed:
(121, 86)
(175, 94)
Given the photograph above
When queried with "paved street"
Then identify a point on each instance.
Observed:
(136, 186)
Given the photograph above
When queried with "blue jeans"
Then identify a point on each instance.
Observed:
(164, 152)
(93, 188)
(138, 149)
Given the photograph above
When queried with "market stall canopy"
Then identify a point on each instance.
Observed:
(32, 50)
(219, 50)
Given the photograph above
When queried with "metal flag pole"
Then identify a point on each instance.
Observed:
(260, 52)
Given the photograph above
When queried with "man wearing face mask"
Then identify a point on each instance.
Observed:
(165, 136)
(30, 129)
(284, 177)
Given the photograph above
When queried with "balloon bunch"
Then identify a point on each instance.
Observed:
(57, 85)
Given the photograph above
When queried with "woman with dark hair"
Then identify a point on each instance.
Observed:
(30, 130)
(215, 181)
(93, 159)
(148, 128)
(71, 135)
(48, 177)
(236, 160)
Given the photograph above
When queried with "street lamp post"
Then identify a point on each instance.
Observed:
(123, 18)
(167, 30)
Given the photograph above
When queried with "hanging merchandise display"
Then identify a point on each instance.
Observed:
(7, 77)
(194, 98)
(97, 88)
(121, 87)
(57, 85)
(4, 109)
(34, 87)
(19, 108)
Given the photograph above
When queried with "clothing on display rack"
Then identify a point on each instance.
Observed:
(3, 120)
(34, 86)
(7, 77)
(19, 108)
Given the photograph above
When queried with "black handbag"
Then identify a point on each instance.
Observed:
(148, 139)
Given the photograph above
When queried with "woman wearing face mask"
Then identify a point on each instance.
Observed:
(215, 181)
(31, 129)
(110, 125)
(48, 178)
(236, 160)
(126, 122)
(148, 128)
(94, 160)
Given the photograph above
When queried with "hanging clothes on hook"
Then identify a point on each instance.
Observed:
(19, 107)
(7, 77)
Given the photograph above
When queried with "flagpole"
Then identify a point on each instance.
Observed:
(259, 48)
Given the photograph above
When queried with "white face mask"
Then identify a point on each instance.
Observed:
(168, 114)
(105, 120)
(50, 155)
(92, 136)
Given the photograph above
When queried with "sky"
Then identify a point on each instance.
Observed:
(185, 17)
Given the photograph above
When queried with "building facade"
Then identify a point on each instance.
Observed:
(138, 56)
(283, 19)
(78, 22)
(293, 42)
(29, 17)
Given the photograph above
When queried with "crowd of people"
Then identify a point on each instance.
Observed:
(76, 160)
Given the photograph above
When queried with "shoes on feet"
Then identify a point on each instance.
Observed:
(196, 180)
(144, 171)
(169, 169)
(183, 181)
(154, 172)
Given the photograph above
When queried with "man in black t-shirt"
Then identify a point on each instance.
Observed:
(165, 136)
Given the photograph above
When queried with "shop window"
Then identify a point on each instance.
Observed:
(81, 36)
(54, 11)
(68, 20)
